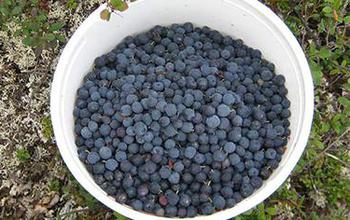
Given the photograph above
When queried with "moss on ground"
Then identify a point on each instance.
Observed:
(31, 170)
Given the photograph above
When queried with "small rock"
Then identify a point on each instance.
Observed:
(54, 201)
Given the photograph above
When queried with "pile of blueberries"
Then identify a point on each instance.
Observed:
(181, 121)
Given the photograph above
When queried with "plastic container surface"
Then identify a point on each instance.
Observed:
(248, 20)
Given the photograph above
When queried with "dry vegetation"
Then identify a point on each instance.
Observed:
(34, 182)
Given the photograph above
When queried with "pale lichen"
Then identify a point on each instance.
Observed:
(16, 52)
(319, 198)
(25, 79)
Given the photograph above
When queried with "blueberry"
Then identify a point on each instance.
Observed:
(174, 153)
(125, 166)
(159, 211)
(188, 100)
(256, 182)
(266, 75)
(148, 137)
(253, 172)
(169, 144)
(164, 121)
(185, 200)
(86, 133)
(93, 158)
(187, 127)
(213, 121)
(228, 99)
(235, 135)
(170, 211)
(218, 202)
(246, 190)
(105, 153)
(93, 106)
(279, 80)
(179, 66)
(174, 178)
(253, 134)
(223, 110)
(105, 129)
(142, 190)
(137, 204)
(179, 167)
(207, 209)
(190, 152)
(98, 168)
(136, 107)
(279, 130)
(226, 192)
(164, 172)
(155, 114)
(219, 156)
(199, 158)
(270, 153)
(130, 131)
(150, 167)
(95, 96)
(120, 156)
(170, 131)
(172, 197)
(229, 147)
(126, 110)
(133, 148)
(234, 159)
(225, 54)
(111, 164)
(140, 128)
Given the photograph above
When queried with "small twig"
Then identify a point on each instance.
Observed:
(338, 159)
(325, 150)
(335, 80)
(343, 11)
(74, 211)
(308, 29)
(334, 142)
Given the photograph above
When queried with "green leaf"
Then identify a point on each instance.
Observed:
(41, 17)
(316, 72)
(347, 19)
(339, 123)
(347, 86)
(346, 103)
(325, 127)
(324, 53)
(119, 5)
(271, 211)
(337, 3)
(327, 10)
(28, 41)
(60, 38)
(312, 49)
(119, 216)
(261, 212)
(17, 10)
(56, 26)
(50, 37)
(22, 155)
(322, 26)
(105, 15)
(4, 12)
(72, 4)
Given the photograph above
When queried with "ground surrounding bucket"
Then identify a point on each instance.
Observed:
(248, 20)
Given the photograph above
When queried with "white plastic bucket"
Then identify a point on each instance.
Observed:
(248, 20)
